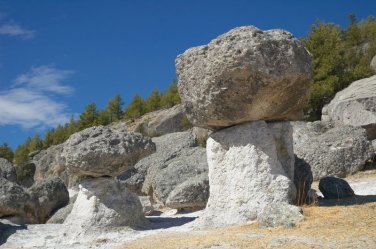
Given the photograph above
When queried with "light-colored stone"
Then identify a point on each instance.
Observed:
(355, 106)
(102, 151)
(7, 170)
(280, 214)
(249, 169)
(339, 151)
(244, 75)
(156, 123)
(104, 203)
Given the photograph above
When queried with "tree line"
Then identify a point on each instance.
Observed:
(92, 116)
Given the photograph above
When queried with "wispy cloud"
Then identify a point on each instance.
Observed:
(31, 102)
(12, 29)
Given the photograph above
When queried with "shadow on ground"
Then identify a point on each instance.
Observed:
(7, 230)
(166, 222)
(355, 200)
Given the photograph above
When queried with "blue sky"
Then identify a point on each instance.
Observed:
(58, 56)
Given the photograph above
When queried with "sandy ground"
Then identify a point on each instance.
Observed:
(350, 223)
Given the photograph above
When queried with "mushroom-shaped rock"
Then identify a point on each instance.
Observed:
(102, 151)
(245, 75)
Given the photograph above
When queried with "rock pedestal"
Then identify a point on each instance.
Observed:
(250, 167)
(104, 202)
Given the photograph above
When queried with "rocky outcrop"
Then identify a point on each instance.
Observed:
(52, 194)
(7, 170)
(335, 188)
(103, 203)
(156, 123)
(250, 167)
(17, 202)
(244, 75)
(102, 151)
(168, 176)
(354, 106)
(339, 151)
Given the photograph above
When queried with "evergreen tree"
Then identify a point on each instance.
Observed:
(171, 97)
(88, 117)
(21, 154)
(48, 138)
(103, 118)
(35, 143)
(6, 152)
(135, 109)
(114, 109)
(153, 102)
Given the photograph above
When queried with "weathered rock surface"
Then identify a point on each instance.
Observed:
(7, 170)
(156, 123)
(280, 214)
(335, 188)
(339, 151)
(15, 201)
(51, 194)
(102, 151)
(177, 167)
(244, 75)
(250, 167)
(25, 177)
(104, 202)
(355, 106)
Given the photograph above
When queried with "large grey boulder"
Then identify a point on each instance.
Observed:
(168, 176)
(250, 167)
(104, 203)
(102, 151)
(156, 123)
(355, 106)
(7, 170)
(15, 201)
(335, 188)
(339, 151)
(52, 194)
(244, 75)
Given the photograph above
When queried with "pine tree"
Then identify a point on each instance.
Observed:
(114, 109)
(153, 102)
(135, 109)
(171, 97)
(6, 152)
(88, 117)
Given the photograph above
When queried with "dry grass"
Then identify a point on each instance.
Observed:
(324, 227)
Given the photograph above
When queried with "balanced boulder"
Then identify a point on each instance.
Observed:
(355, 106)
(339, 151)
(102, 151)
(244, 75)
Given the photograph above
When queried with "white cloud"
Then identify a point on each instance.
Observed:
(30, 103)
(12, 29)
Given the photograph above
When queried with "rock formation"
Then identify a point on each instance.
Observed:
(355, 106)
(102, 151)
(244, 75)
(7, 170)
(339, 151)
(175, 176)
(373, 63)
(97, 153)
